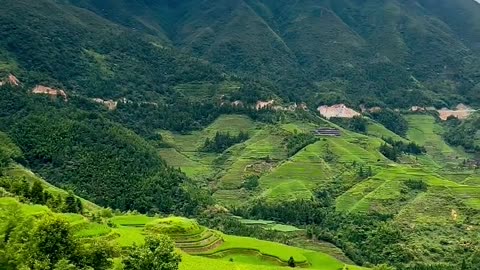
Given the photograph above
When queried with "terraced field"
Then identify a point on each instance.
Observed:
(425, 131)
(450, 195)
(217, 250)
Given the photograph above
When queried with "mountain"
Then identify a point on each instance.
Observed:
(317, 51)
(424, 51)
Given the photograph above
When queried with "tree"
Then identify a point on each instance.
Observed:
(44, 242)
(392, 120)
(95, 254)
(251, 182)
(383, 267)
(358, 124)
(47, 243)
(36, 193)
(158, 253)
(72, 204)
(64, 265)
(79, 205)
(291, 262)
(4, 159)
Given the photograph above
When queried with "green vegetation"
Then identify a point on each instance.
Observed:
(297, 142)
(148, 255)
(392, 120)
(464, 133)
(355, 124)
(182, 135)
(223, 141)
(97, 243)
(392, 149)
(173, 226)
(83, 151)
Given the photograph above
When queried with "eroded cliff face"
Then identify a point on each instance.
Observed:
(337, 110)
(460, 112)
(52, 92)
(11, 79)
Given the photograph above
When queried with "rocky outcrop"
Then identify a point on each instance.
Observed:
(291, 108)
(11, 80)
(461, 112)
(370, 110)
(237, 103)
(338, 110)
(52, 92)
(264, 104)
(110, 104)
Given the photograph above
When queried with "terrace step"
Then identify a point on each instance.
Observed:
(204, 242)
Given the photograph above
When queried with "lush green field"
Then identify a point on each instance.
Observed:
(247, 253)
(425, 131)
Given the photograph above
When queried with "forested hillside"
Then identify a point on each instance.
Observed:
(86, 152)
(352, 51)
(375, 52)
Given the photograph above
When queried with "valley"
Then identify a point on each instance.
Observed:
(239, 134)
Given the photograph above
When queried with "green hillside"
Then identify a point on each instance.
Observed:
(306, 47)
(96, 225)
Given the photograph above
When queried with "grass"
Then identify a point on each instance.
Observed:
(386, 186)
(265, 144)
(128, 236)
(256, 222)
(284, 228)
(425, 131)
(194, 168)
(174, 226)
(201, 263)
(185, 153)
(27, 209)
(377, 130)
(247, 253)
(270, 225)
(314, 260)
(225, 123)
(92, 230)
(132, 220)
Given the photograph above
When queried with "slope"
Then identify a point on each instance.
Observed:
(84, 151)
(95, 224)
(419, 47)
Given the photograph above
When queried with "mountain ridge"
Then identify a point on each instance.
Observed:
(322, 51)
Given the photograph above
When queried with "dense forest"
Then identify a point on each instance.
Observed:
(117, 55)
(95, 157)
(464, 133)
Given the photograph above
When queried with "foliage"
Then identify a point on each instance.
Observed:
(101, 160)
(291, 262)
(394, 149)
(297, 142)
(48, 243)
(37, 194)
(356, 124)
(463, 133)
(251, 182)
(231, 225)
(158, 253)
(416, 185)
(392, 120)
(223, 141)
(173, 225)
